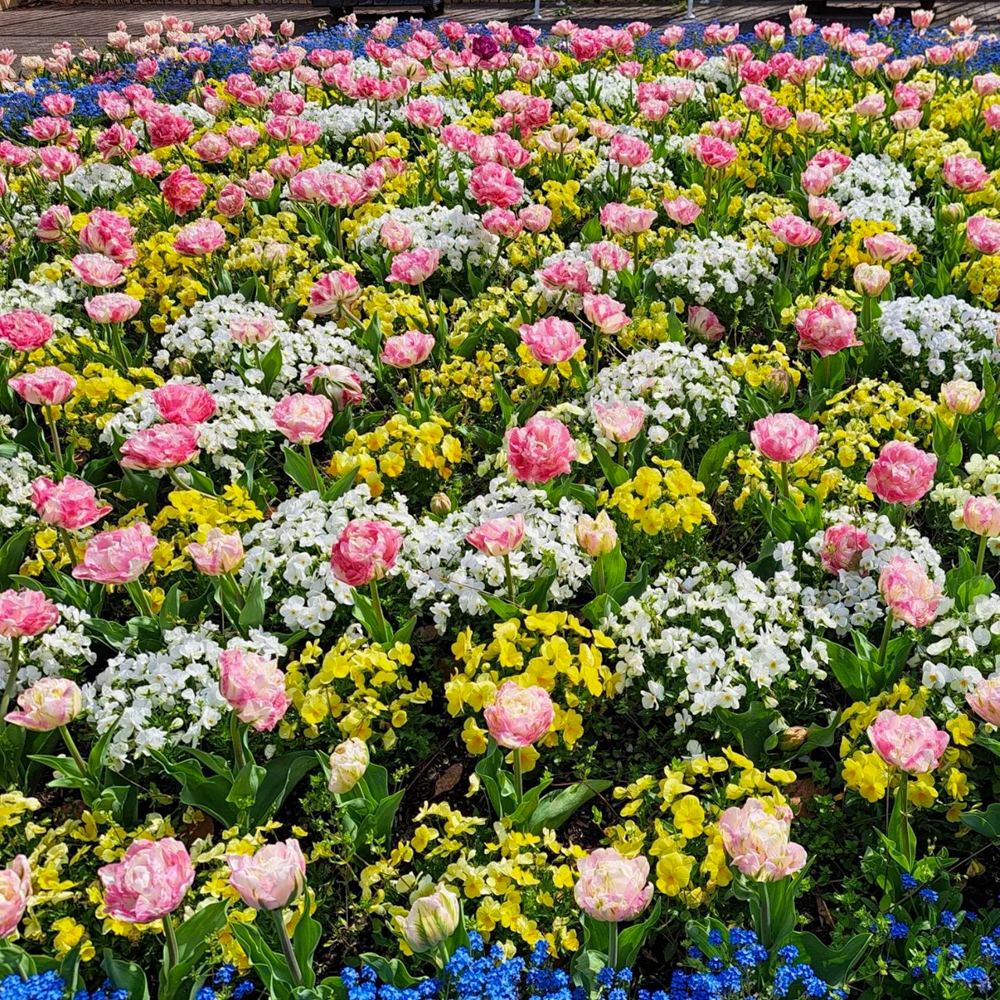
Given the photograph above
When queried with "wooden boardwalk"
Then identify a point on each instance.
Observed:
(32, 29)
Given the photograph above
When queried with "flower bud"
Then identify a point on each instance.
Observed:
(953, 212)
(981, 515)
(596, 535)
(431, 920)
(348, 764)
(792, 738)
(440, 504)
(181, 366)
(961, 396)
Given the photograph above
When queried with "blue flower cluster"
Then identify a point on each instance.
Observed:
(226, 985)
(739, 967)
(51, 986)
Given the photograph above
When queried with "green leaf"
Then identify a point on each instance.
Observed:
(12, 555)
(848, 669)
(536, 598)
(280, 778)
(613, 566)
(751, 728)
(342, 485)
(613, 472)
(389, 970)
(194, 937)
(600, 609)
(832, 964)
(270, 966)
(631, 940)
(297, 469)
(244, 788)
(557, 807)
(713, 461)
(252, 614)
(986, 824)
(308, 931)
(126, 976)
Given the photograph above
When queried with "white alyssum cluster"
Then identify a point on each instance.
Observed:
(443, 570)
(960, 649)
(202, 336)
(241, 413)
(103, 183)
(458, 235)
(678, 385)
(948, 336)
(701, 269)
(18, 470)
(340, 123)
(290, 553)
(63, 651)
(715, 637)
(154, 700)
(43, 296)
(881, 188)
(850, 600)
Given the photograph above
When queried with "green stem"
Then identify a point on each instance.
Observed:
(613, 944)
(981, 556)
(172, 952)
(11, 686)
(56, 445)
(286, 947)
(236, 733)
(67, 541)
(599, 566)
(313, 471)
(377, 605)
(884, 644)
(904, 812)
(74, 752)
(784, 479)
(518, 777)
(510, 579)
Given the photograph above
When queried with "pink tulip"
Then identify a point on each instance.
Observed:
(15, 893)
(396, 236)
(230, 201)
(249, 331)
(97, 270)
(48, 704)
(758, 841)
(536, 218)
(26, 613)
(794, 231)
(842, 548)
(902, 473)
(271, 878)
(220, 553)
(714, 153)
(70, 503)
(407, 349)
(112, 307)
(983, 234)
(48, 386)
(551, 341)
(681, 210)
(254, 686)
(911, 744)
(149, 883)
(492, 184)
(302, 417)
(629, 151)
(826, 329)
(163, 446)
(540, 450)
(25, 329)
(200, 239)
(183, 403)
(612, 888)
(332, 291)
(626, 220)
(182, 190)
(871, 279)
(498, 536)
(619, 422)
(56, 223)
(981, 515)
(984, 700)
(910, 595)
(605, 313)
(962, 397)
(703, 323)
(609, 256)
(596, 535)
(784, 437)
(364, 551)
(888, 248)
(519, 716)
(337, 382)
(117, 556)
(414, 267)
(965, 174)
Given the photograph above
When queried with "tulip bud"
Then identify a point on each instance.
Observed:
(348, 764)
(596, 536)
(961, 396)
(778, 381)
(373, 142)
(792, 738)
(431, 920)
(440, 504)
(981, 516)
(181, 366)
(953, 212)
(871, 279)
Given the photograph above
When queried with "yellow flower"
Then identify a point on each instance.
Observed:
(689, 817)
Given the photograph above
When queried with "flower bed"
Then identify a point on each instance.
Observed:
(490, 513)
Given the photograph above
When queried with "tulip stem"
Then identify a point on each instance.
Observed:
(982, 555)
(518, 776)
(168, 930)
(74, 751)
(613, 944)
(286, 947)
(238, 755)
(784, 479)
(11, 685)
(67, 541)
(56, 446)
(377, 606)
(510, 579)
(884, 644)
